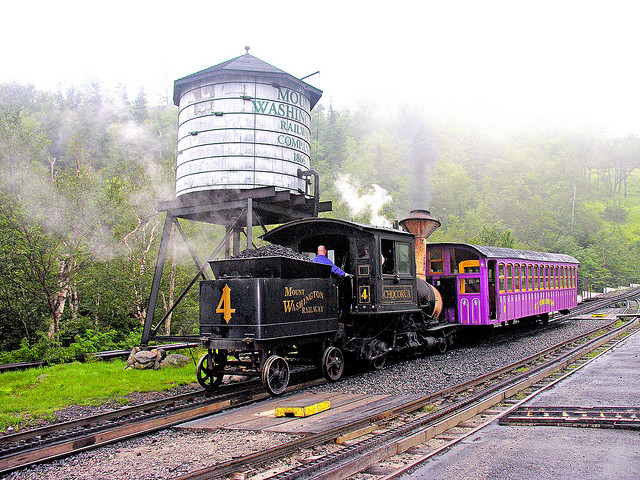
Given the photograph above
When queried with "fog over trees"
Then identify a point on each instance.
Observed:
(81, 172)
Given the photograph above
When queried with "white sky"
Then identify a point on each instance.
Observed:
(561, 62)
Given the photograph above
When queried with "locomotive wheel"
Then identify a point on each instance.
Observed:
(442, 345)
(378, 363)
(332, 364)
(210, 370)
(275, 375)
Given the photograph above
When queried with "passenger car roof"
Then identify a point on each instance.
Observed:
(508, 253)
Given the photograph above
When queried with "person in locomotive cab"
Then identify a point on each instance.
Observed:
(322, 258)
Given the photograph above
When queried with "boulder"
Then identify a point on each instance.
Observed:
(131, 358)
(175, 360)
(145, 359)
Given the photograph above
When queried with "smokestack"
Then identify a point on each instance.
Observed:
(422, 225)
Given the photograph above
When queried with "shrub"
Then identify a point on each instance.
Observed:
(82, 346)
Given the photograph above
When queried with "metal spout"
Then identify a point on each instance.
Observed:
(420, 223)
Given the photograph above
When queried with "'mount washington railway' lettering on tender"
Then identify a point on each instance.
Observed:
(302, 304)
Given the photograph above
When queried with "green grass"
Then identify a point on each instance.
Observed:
(38, 393)
(429, 408)
(592, 354)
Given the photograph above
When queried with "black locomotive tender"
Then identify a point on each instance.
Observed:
(261, 311)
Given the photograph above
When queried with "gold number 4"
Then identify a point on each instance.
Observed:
(224, 306)
(365, 294)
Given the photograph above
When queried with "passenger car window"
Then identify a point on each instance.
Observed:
(469, 266)
(436, 264)
(469, 285)
(546, 277)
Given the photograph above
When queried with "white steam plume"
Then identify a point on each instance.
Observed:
(371, 201)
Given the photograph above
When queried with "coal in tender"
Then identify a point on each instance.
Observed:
(271, 251)
(270, 261)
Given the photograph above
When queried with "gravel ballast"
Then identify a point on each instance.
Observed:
(169, 453)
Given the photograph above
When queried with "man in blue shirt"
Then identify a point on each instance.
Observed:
(322, 258)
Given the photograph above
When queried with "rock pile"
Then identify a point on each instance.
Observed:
(154, 359)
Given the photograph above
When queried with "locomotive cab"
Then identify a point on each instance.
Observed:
(381, 261)
(339, 252)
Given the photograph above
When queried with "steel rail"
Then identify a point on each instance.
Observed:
(421, 459)
(232, 466)
(355, 458)
(127, 422)
(45, 432)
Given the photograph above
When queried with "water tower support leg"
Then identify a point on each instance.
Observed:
(157, 277)
(249, 222)
(236, 240)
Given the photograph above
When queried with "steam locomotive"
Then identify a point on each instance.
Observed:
(261, 311)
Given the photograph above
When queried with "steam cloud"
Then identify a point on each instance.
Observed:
(82, 213)
(372, 201)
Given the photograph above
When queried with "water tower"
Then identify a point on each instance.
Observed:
(242, 124)
(243, 159)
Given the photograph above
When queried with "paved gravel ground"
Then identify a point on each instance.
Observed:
(435, 372)
(170, 453)
(165, 454)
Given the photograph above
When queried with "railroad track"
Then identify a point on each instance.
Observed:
(511, 412)
(59, 440)
(408, 426)
(48, 443)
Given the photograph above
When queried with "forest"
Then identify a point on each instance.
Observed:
(82, 170)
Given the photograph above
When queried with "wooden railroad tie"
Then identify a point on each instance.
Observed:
(302, 411)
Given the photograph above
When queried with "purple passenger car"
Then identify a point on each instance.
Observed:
(491, 285)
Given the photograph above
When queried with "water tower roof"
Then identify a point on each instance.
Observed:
(242, 65)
